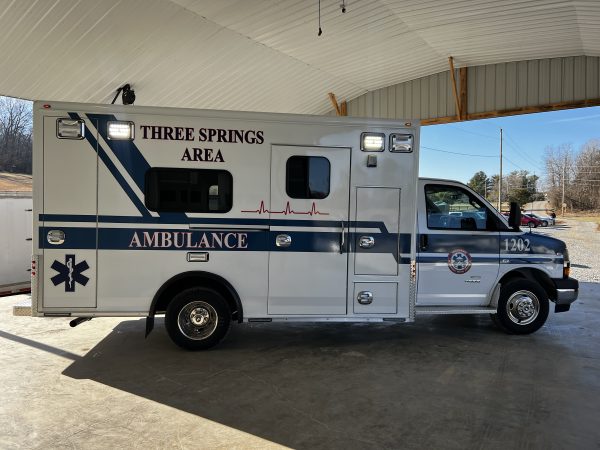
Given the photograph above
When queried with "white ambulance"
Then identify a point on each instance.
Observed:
(213, 217)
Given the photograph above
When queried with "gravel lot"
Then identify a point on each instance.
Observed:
(583, 242)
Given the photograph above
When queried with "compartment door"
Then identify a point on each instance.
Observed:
(377, 252)
(308, 259)
(68, 234)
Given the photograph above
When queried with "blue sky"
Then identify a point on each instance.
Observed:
(525, 138)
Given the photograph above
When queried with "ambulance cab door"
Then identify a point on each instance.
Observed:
(458, 247)
(308, 257)
(68, 234)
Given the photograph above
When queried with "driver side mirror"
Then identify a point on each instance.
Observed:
(514, 217)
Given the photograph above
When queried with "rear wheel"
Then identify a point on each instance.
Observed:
(197, 319)
(522, 307)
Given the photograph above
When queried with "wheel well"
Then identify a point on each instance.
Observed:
(197, 279)
(536, 275)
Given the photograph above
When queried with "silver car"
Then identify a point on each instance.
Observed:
(546, 220)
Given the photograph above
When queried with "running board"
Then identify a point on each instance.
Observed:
(454, 310)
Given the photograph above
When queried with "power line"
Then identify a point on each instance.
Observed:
(496, 138)
(522, 153)
(513, 163)
(457, 153)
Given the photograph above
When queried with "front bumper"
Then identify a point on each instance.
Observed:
(567, 290)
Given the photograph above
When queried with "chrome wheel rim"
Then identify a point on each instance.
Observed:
(197, 320)
(523, 307)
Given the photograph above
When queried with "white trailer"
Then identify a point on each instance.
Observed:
(210, 217)
(15, 242)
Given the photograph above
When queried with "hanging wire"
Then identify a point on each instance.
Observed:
(320, 31)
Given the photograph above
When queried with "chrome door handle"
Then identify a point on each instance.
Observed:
(56, 237)
(366, 241)
(283, 240)
(365, 297)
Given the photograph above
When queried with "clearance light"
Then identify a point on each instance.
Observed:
(566, 269)
(69, 129)
(120, 131)
(401, 143)
(372, 142)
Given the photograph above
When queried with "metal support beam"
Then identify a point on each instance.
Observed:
(335, 103)
(462, 73)
(454, 91)
(515, 111)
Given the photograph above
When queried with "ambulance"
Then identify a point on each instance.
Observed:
(216, 217)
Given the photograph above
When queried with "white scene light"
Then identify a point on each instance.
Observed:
(120, 130)
(372, 142)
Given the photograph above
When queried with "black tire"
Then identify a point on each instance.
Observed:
(197, 319)
(522, 307)
(545, 223)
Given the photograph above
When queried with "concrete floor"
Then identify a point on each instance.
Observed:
(443, 382)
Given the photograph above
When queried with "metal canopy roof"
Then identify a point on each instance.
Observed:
(265, 55)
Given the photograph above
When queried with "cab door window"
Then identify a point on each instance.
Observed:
(453, 208)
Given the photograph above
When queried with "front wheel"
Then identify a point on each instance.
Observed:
(522, 307)
(197, 318)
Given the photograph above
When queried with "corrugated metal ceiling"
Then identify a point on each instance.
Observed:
(265, 55)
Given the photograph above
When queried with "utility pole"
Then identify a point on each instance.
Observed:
(534, 191)
(562, 204)
(500, 179)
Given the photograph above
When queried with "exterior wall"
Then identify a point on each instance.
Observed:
(494, 87)
(15, 239)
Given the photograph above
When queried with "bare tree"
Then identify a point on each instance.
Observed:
(574, 176)
(586, 182)
(15, 135)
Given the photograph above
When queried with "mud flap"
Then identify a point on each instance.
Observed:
(149, 325)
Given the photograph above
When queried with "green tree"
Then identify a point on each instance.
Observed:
(479, 183)
(521, 187)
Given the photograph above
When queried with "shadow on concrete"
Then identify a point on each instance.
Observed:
(445, 381)
(39, 345)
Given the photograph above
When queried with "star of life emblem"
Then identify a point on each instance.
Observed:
(69, 273)
(459, 261)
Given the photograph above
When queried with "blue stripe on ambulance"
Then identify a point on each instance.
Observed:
(113, 170)
(184, 239)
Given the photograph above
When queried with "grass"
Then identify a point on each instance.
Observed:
(584, 216)
(15, 182)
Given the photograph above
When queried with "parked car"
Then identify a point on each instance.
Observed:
(546, 220)
(527, 219)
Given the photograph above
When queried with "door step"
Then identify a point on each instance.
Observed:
(23, 308)
(454, 310)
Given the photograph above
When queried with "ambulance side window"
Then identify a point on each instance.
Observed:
(188, 190)
(307, 177)
(453, 208)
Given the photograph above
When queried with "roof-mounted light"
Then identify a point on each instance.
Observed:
(120, 131)
(372, 142)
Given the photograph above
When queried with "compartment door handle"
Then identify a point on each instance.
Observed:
(283, 240)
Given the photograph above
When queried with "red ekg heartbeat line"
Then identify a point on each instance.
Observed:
(288, 210)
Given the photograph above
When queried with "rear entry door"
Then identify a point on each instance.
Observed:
(68, 233)
(308, 259)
